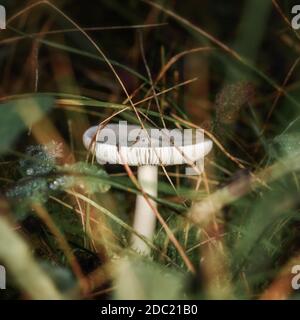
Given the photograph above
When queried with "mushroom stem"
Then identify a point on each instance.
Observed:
(144, 218)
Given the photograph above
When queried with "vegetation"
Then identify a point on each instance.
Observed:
(66, 221)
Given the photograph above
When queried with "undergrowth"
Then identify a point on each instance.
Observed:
(228, 68)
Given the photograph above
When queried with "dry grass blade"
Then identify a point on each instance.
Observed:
(279, 94)
(100, 51)
(213, 138)
(284, 17)
(178, 56)
(198, 29)
(225, 48)
(169, 232)
(43, 214)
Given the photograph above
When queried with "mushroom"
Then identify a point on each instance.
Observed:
(147, 149)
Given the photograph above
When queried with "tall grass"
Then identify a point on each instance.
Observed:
(231, 233)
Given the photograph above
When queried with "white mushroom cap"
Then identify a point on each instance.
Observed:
(137, 147)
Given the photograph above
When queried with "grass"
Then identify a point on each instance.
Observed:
(232, 233)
